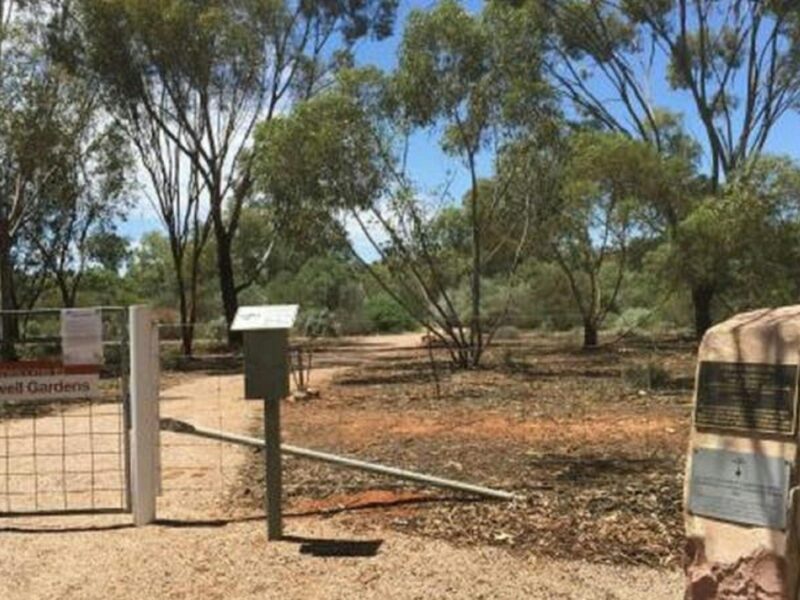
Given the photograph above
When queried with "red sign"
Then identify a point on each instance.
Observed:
(47, 380)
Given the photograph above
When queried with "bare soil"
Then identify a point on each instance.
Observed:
(597, 455)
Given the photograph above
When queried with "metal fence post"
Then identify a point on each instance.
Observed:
(144, 416)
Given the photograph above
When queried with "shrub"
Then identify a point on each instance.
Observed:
(318, 322)
(215, 330)
(647, 376)
(386, 315)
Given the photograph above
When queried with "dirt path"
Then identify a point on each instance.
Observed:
(204, 548)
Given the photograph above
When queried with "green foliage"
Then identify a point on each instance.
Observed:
(609, 183)
(152, 271)
(317, 322)
(635, 318)
(326, 155)
(109, 250)
(742, 240)
(735, 61)
(321, 282)
(202, 73)
(547, 303)
(442, 65)
(386, 316)
(471, 71)
(63, 167)
(579, 211)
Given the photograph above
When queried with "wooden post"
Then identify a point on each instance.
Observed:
(273, 493)
(144, 417)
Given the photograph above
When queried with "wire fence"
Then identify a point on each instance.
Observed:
(65, 454)
(206, 390)
(189, 465)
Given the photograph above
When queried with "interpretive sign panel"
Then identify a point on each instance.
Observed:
(81, 336)
(739, 487)
(272, 316)
(46, 380)
(747, 396)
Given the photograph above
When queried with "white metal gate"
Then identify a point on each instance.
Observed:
(69, 453)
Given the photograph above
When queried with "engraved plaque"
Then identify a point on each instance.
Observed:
(740, 487)
(747, 396)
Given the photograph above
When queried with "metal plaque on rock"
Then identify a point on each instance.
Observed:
(740, 487)
(747, 396)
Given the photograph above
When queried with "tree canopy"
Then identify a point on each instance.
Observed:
(595, 165)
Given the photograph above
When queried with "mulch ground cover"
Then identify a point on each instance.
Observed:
(594, 441)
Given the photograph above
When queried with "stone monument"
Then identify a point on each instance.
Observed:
(741, 514)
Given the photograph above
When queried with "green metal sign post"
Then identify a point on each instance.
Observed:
(266, 370)
(273, 468)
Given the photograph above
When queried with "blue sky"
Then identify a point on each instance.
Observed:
(432, 169)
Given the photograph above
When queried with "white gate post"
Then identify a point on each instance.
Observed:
(144, 415)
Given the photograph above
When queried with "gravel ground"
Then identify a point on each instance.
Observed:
(204, 547)
(234, 561)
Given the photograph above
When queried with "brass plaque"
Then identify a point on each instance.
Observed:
(747, 396)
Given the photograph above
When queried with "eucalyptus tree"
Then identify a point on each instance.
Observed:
(221, 67)
(179, 198)
(335, 151)
(62, 170)
(476, 79)
(602, 181)
(736, 62)
(80, 206)
(747, 238)
(17, 163)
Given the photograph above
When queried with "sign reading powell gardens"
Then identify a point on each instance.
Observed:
(47, 380)
(75, 376)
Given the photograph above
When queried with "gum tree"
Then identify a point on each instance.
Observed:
(478, 80)
(62, 168)
(603, 180)
(179, 198)
(474, 78)
(221, 67)
(735, 62)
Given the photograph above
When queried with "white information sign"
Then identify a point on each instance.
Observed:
(46, 380)
(82, 336)
(269, 316)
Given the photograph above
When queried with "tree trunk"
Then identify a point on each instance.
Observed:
(227, 283)
(476, 327)
(186, 340)
(188, 333)
(190, 307)
(67, 297)
(590, 337)
(9, 319)
(702, 295)
(180, 288)
(191, 320)
(186, 327)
